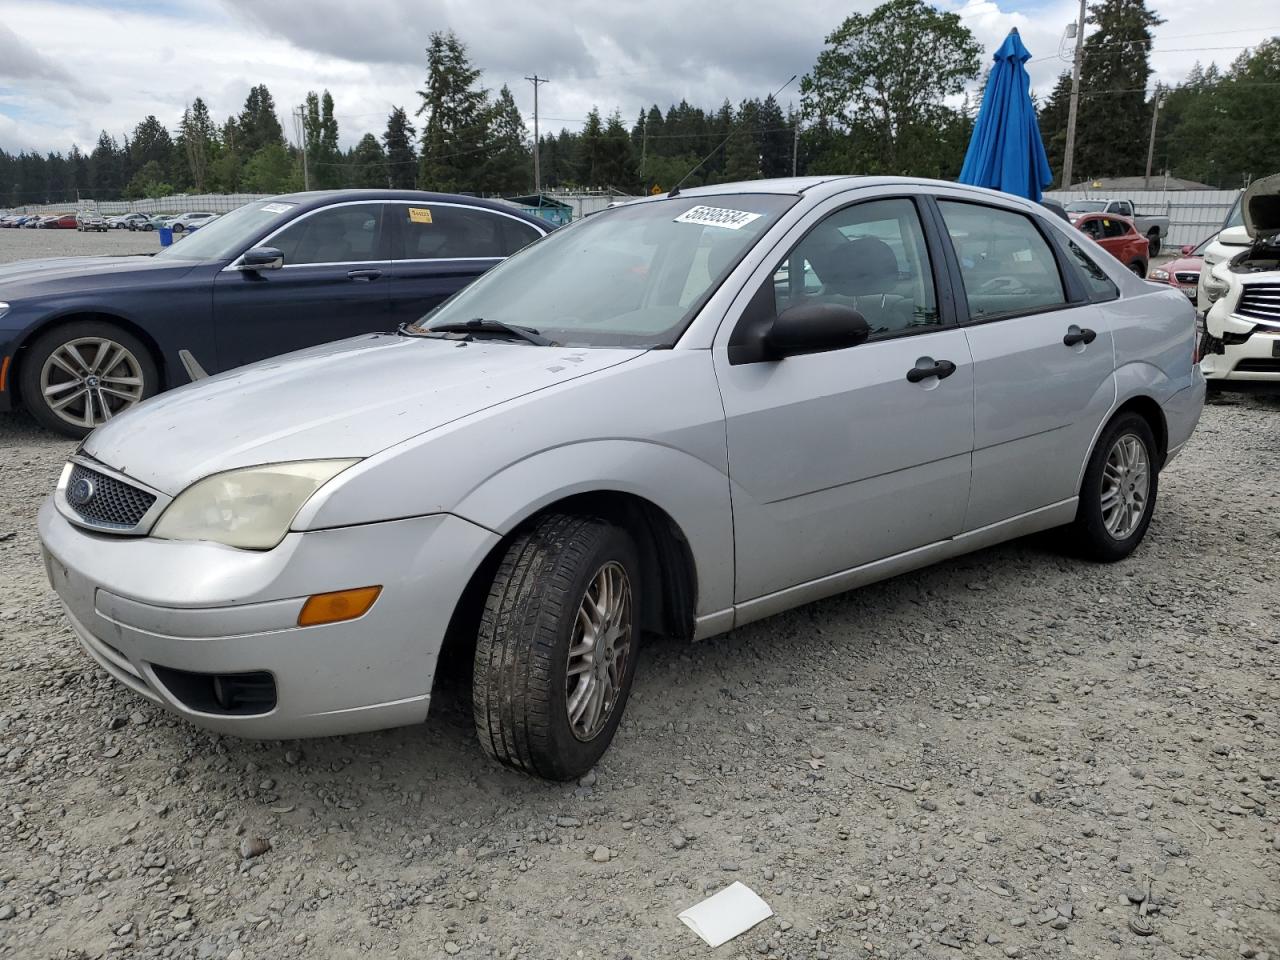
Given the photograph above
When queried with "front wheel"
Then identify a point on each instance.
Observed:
(1139, 269)
(556, 650)
(1118, 494)
(80, 375)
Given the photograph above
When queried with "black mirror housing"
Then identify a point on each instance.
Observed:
(262, 258)
(815, 328)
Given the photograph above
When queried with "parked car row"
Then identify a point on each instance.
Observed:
(673, 417)
(88, 220)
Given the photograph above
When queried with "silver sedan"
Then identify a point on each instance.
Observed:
(674, 417)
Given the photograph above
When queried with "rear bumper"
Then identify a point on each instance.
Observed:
(146, 609)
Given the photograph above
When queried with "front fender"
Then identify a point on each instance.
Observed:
(693, 493)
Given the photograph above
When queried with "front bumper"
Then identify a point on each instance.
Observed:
(150, 610)
(1256, 359)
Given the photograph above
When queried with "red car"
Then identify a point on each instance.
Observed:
(1118, 236)
(65, 222)
(1183, 273)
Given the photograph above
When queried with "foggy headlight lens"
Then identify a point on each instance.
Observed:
(1161, 275)
(1215, 288)
(250, 508)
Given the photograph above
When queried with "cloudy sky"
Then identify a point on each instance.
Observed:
(70, 68)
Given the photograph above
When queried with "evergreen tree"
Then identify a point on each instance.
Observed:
(320, 133)
(197, 139)
(151, 144)
(401, 158)
(774, 137)
(258, 123)
(508, 168)
(455, 134)
(590, 159)
(1053, 124)
(367, 164)
(106, 181)
(742, 157)
(1114, 116)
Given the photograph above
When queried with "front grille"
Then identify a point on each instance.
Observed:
(106, 501)
(1187, 276)
(1260, 301)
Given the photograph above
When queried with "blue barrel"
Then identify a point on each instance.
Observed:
(166, 236)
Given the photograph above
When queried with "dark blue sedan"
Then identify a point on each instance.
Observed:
(84, 338)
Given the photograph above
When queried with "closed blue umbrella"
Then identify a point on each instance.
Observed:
(1005, 151)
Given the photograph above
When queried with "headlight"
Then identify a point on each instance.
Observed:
(1159, 275)
(250, 508)
(1215, 288)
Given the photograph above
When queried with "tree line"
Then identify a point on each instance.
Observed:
(872, 103)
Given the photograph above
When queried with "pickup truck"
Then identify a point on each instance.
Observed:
(1154, 228)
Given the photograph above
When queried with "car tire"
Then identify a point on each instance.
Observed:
(1139, 269)
(1114, 510)
(85, 337)
(1153, 242)
(177, 228)
(533, 665)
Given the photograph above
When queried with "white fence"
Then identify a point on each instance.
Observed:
(1193, 214)
(178, 203)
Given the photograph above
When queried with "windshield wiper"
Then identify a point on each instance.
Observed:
(479, 325)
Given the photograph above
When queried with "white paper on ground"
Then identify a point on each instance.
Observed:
(720, 918)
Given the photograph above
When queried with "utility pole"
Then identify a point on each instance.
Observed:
(644, 143)
(1151, 143)
(795, 144)
(537, 142)
(300, 129)
(1075, 101)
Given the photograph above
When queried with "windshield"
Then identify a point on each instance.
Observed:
(631, 276)
(1086, 206)
(227, 236)
(1236, 217)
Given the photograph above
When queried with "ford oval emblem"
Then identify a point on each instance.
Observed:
(80, 492)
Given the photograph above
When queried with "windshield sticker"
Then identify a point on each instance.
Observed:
(718, 217)
(419, 215)
(277, 207)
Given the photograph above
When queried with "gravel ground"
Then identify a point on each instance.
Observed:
(30, 244)
(989, 758)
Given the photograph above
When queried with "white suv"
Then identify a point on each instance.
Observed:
(1242, 327)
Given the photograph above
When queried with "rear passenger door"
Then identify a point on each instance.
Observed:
(438, 248)
(1042, 353)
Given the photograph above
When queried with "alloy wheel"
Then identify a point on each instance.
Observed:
(598, 651)
(89, 380)
(1126, 486)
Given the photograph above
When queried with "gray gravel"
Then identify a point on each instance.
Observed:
(995, 757)
(31, 244)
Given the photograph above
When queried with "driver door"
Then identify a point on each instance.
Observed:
(838, 459)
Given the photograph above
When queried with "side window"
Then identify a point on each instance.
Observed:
(870, 256)
(1006, 264)
(343, 234)
(1091, 228)
(1114, 228)
(1095, 279)
(445, 232)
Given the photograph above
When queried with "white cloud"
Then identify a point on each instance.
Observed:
(85, 68)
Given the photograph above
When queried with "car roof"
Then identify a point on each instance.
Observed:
(320, 198)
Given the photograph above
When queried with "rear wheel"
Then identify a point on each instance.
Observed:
(1118, 495)
(80, 375)
(1153, 242)
(1139, 269)
(556, 650)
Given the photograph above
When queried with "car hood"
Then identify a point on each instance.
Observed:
(1183, 264)
(34, 277)
(1260, 207)
(352, 398)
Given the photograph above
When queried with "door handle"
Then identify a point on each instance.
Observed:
(363, 276)
(1075, 336)
(940, 369)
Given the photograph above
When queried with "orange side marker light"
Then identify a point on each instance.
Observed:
(337, 606)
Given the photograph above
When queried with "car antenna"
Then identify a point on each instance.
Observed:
(675, 191)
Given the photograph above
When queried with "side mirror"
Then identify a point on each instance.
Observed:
(262, 258)
(1187, 249)
(815, 328)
